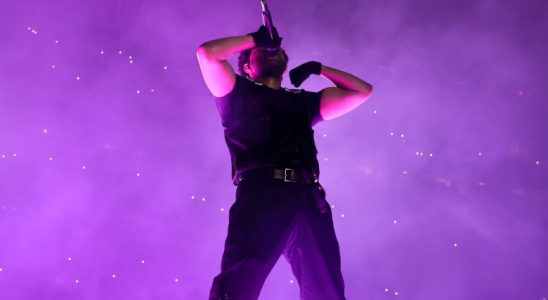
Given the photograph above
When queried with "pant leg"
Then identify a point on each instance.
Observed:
(259, 224)
(313, 250)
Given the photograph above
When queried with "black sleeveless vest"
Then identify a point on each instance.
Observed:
(264, 127)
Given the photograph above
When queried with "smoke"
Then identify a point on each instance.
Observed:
(115, 180)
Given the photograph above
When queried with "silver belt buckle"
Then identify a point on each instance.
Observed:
(286, 174)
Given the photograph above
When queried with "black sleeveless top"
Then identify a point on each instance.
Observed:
(265, 127)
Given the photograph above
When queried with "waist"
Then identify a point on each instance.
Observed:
(289, 175)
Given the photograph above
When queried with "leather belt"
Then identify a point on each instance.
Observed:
(284, 174)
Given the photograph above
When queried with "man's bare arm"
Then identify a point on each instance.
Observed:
(212, 56)
(350, 93)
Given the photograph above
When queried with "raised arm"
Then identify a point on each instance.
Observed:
(350, 93)
(212, 57)
(218, 74)
(335, 101)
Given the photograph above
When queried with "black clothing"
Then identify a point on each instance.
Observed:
(265, 127)
(269, 132)
(270, 218)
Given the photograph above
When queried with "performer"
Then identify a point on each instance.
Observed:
(280, 206)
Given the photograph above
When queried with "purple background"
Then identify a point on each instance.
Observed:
(438, 181)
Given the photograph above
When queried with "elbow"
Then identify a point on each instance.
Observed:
(204, 51)
(366, 92)
(369, 89)
(209, 51)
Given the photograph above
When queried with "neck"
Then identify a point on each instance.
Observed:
(271, 82)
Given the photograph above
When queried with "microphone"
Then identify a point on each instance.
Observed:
(267, 22)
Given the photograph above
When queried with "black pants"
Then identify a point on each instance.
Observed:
(269, 218)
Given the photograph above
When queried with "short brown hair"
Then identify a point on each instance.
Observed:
(244, 59)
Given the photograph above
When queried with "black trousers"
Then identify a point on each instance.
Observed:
(270, 218)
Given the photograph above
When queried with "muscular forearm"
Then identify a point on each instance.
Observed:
(222, 49)
(345, 80)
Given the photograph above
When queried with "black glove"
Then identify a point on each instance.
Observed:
(262, 38)
(299, 74)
